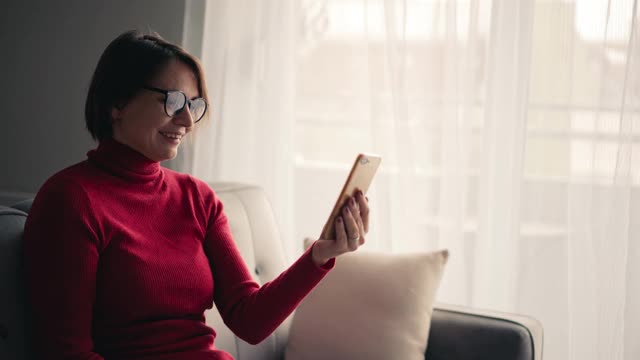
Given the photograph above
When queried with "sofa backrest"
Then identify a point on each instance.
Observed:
(254, 230)
(13, 322)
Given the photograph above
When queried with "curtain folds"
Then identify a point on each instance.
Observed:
(509, 130)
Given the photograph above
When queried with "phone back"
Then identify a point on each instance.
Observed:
(360, 177)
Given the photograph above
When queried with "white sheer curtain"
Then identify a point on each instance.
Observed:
(510, 133)
(248, 56)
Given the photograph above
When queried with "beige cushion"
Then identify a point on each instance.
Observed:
(370, 306)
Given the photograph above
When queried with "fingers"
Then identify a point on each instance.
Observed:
(341, 233)
(361, 228)
(363, 205)
(350, 215)
(353, 224)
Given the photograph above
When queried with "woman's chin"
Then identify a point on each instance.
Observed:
(170, 155)
(163, 154)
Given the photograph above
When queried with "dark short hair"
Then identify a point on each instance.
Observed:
(127, 65)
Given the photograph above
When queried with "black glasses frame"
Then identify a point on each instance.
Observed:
(186, 101)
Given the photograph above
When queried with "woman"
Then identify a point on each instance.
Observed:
(123, 256)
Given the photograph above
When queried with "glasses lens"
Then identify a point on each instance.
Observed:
(197, 107)
(175, 102)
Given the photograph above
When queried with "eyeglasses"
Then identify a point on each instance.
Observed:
(175, 101)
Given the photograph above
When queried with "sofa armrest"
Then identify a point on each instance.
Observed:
(462, 333)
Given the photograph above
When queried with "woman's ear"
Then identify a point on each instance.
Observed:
(116, 111)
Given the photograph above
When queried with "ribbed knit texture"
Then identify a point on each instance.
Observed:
(122, 258)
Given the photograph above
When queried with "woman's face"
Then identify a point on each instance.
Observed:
(142, 123)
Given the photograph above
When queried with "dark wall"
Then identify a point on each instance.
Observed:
(49, 51)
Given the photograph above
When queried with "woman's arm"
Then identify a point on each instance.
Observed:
(61, 257)
(253, 312)
(250, 311)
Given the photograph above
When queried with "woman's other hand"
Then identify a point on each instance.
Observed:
(351, 228)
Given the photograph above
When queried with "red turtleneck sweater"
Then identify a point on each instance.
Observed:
(123, 257)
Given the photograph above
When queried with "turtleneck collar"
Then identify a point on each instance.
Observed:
(124, 162)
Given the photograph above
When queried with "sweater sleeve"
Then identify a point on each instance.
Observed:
(61, 255)
(250, 311)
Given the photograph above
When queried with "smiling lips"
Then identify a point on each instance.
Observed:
(174, 137)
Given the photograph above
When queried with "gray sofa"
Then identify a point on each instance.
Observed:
(456, 332)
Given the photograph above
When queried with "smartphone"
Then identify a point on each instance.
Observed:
(360, 177)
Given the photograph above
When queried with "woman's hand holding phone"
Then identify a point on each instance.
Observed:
(351, 228)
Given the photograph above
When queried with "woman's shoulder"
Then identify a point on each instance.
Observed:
(185, 181)
(196, 191)
(70, 179)
(190, 183)
(66, 189)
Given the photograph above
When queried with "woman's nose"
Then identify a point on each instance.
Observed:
(184, 117)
